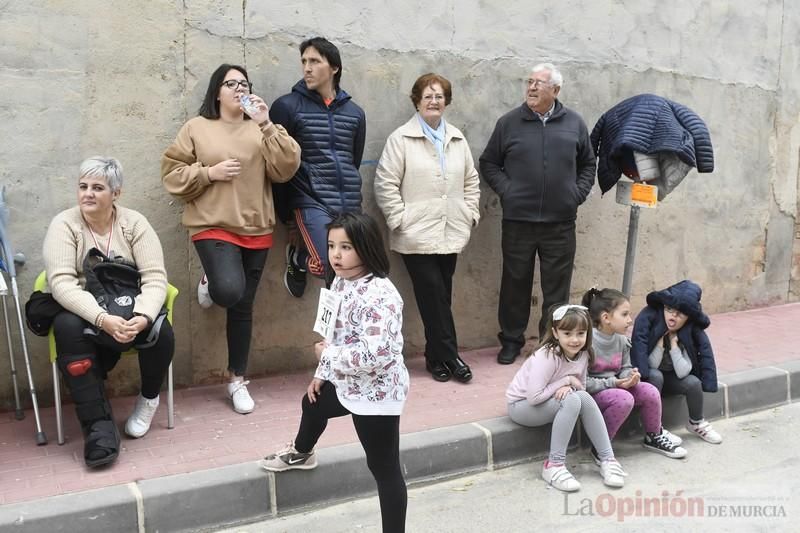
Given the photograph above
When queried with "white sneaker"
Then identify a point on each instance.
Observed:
(203, 296)
(704, 430)
(559, 477)
(242, 401)
(676, 440)
(613, 474)
(289, 459)
(139, 422)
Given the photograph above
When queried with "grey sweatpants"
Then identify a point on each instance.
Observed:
(563, 414)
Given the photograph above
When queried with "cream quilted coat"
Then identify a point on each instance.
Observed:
(427, 213)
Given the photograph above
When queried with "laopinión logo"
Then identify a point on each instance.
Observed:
(671, 506)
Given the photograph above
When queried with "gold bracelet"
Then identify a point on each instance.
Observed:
(101, 319)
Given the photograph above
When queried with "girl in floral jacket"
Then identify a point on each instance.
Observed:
(361, 370)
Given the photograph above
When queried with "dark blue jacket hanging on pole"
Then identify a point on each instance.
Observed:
(649, 124)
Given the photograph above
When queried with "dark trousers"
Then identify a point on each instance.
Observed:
(153, 362)
(432, 278)
(669, 383)
(380, 438)
(554, 242)
(233, 274)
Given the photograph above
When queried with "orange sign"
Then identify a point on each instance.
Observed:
(644, 195)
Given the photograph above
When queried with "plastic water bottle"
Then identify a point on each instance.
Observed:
(248, 105)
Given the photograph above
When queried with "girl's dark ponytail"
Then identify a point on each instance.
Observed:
(600, 301)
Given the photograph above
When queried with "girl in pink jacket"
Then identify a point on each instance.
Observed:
(550, 387)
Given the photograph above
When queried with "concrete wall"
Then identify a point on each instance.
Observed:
(119, 78)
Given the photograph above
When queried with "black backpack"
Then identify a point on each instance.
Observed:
(115, 283)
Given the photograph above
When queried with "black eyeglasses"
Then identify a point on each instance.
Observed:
(234, 84)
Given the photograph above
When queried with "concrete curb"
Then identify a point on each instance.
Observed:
(243, 493)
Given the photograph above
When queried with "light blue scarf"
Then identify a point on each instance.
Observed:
(436, 136)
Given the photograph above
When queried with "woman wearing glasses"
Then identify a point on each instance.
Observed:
(221, 165)
(427, 187)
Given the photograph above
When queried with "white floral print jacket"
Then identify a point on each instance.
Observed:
(365, 359)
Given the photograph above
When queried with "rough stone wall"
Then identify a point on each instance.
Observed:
(119, 78)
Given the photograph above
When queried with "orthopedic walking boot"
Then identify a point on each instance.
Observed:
(85, 382)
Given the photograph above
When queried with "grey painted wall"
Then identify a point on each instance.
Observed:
(119, 78)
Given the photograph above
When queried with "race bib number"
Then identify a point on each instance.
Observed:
(327, 310)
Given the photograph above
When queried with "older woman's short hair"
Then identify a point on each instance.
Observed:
(425, 81)
(556, 79)
(103, 167)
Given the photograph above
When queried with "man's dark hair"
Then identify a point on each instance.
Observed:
(329, 51)
(210, 106)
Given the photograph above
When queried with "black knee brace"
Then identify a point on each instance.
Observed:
(83, 377)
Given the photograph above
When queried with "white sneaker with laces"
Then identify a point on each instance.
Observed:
(242, 401)
(559, 477)
(138, 423)
(203, 296)
(704, 430)
(613, 474)
(676, 440)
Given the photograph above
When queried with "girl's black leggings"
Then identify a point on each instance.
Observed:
(380, 438)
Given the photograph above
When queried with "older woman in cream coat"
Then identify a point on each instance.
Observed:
(427, 187)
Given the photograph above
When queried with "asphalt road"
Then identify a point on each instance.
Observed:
(751, 482)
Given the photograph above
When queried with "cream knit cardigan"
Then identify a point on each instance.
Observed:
(68, 240)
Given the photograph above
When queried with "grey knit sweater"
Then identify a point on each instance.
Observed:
(612, 361)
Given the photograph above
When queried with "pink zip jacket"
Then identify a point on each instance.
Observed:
(543, 374)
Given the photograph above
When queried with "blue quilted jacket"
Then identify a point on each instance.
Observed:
(332, 142)
(650, 327)
(649, 124)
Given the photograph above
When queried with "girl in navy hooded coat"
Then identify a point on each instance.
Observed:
(672, 351)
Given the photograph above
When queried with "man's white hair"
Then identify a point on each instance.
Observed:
(556, 79)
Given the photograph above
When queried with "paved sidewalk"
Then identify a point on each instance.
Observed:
(208, 434)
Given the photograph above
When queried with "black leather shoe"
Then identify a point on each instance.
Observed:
(438, 370)
(459, 369)
(507, 354)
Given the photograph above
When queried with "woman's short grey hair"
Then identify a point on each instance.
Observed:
(556, 79)
(103, 167)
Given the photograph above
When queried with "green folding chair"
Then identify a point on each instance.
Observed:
(172, 292)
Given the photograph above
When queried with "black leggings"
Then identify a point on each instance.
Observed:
(380, 438)
(233, 274)
(153, 362)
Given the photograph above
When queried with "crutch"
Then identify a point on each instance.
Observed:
(8, 259)
(19, 414)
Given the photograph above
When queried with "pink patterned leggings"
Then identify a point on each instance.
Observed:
(617, 404)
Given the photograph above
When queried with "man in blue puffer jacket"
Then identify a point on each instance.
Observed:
(670, 348)
(330, 129)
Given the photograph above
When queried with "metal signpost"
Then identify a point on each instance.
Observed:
(636, 195)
